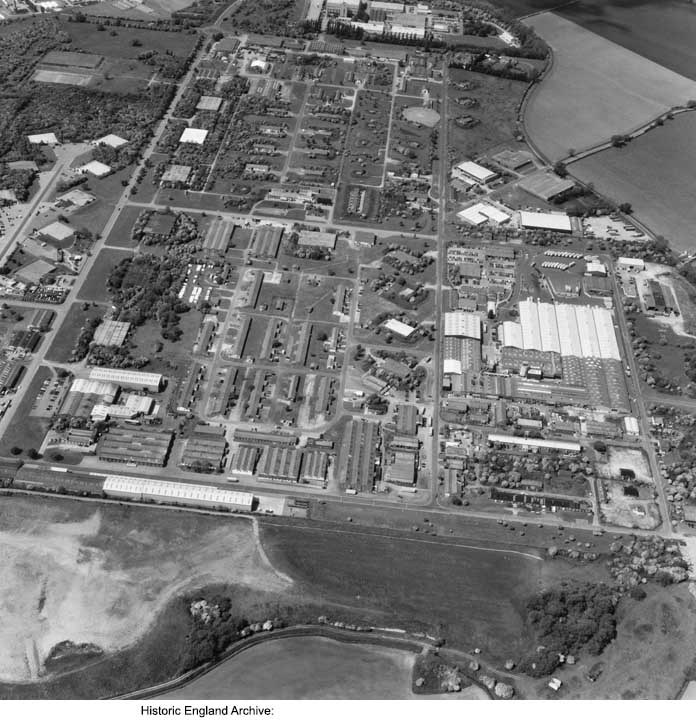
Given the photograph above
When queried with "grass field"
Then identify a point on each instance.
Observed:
(26, 432)
(64, 341)
(120, 235)
(306, 668)
(471, 597)
(94, 287)
(655, 174)
(578, 104)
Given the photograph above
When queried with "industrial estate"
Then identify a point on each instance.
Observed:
(307, 263)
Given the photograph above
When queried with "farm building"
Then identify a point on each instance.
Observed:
(95, 168)
(209, 102)
(176, 174)
(111, 332)
(130, 379)
(473, 172)
(113, 141)
(205, 449)
(558, 222)
(56, 231)
(189, 494)
(139, 446)
(459, 323)
(402, 329)
(546, 185)
(43, 139)
(317, 238)
(196, 136)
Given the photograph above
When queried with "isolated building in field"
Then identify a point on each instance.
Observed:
(546, 185)
(56, 231)
(94, 167)
(401, 329)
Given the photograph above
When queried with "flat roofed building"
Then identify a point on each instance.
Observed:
(142, 489)
(209, 102)
(538, 443)
(483, 213)
(342, 8)
(176, 174)
(317, 238)
(462, 324)
(131, 379)
(400, 328)
(631, 264)
(559, 222)
(94, 167)
(111, 332)
(43, 139)
(196, 136)
(57, 231)
(113, 141)
(279, 464)
(42, 320)
(474, 171)
(138, 446)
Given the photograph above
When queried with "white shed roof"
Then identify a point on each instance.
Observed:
(548, 221)
(194, 135)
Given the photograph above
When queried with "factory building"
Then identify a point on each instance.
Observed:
(245, 460)
(188, 494)
(279, 464)
(205, 450)
(459, 323)
(131, 379)
(558, 222)
(135, 446)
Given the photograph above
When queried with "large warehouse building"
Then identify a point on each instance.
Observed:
(571, 330)
(189, 494)
(131, 379)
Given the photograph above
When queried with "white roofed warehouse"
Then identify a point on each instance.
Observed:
(131, 379)
(170, 492)
(559, 222)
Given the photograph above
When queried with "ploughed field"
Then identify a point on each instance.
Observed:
(655, 173)
(595, 89)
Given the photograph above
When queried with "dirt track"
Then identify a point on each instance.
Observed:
(101, 576)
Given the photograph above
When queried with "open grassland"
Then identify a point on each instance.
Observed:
(471, 597)
(579, 104)
(94, 288)
(100, 574)
(655, 174)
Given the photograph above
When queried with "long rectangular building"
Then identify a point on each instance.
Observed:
(132, 379)
(138, 446)
(189, 494)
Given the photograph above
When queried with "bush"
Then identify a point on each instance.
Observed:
(638, 593)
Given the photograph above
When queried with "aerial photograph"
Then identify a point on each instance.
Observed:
(347, 350)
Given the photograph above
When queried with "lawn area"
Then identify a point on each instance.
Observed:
(26, 432)
(654, 173)
(578, 104)
(107, 191)
(64, 340)
(471, 597)
(94, 286)
(120, 235)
